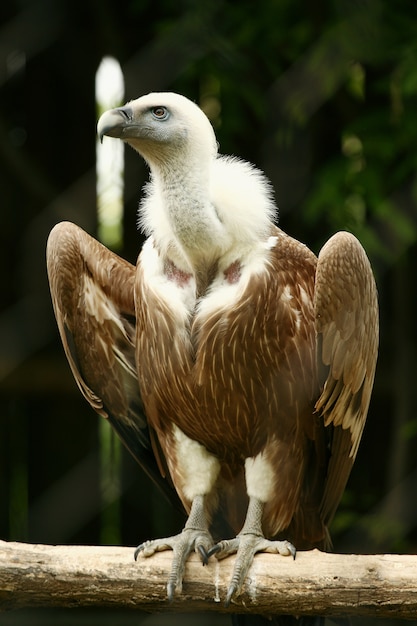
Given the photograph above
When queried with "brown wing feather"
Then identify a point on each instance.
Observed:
(93, 299)
(346, 310)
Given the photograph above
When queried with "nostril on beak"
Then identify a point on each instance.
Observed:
(126, 112)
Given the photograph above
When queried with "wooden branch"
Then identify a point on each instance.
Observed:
(315, 583)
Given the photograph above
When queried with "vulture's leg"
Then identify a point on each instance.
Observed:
(194, 537)
(248, 542)
(196, 472)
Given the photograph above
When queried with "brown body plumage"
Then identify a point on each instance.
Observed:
(242, 379)
(240, 367)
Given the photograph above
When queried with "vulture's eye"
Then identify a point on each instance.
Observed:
(160, 113)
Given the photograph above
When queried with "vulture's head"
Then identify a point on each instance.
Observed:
(161, 126)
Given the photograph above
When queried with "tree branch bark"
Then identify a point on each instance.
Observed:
(316, 583)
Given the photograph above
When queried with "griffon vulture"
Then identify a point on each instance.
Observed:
(231, 361)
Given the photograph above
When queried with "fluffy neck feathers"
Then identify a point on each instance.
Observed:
(197, 212)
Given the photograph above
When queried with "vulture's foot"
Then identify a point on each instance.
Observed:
(245, 546)
(182, 545)
(194, 537)
(248, 542)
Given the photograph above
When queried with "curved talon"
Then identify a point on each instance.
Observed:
(230, 593)
(148, 548)
(170, 591)
(213, 550)
(138, 551)
(204, 554)
(224, 548)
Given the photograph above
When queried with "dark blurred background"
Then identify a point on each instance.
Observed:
(323, 97)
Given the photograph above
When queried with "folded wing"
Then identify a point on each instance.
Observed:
(346, 310)
(92, 295)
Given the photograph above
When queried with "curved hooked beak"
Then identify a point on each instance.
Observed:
(113, 123)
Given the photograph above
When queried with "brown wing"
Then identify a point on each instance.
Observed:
(92, 295)
(346, 309)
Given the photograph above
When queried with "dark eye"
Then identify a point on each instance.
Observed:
(160, 113)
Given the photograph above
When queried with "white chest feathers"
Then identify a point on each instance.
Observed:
(177, 290)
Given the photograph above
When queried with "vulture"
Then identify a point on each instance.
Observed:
(235, 365)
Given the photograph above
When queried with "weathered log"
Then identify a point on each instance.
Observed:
(315, 583)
